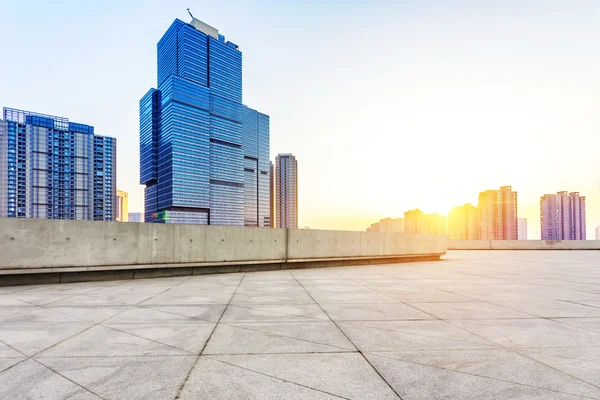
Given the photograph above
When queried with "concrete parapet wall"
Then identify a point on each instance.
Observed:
(523, 244)
(33, 246)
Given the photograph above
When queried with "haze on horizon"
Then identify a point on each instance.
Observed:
(387, 105)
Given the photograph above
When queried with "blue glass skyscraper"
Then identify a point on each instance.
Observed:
(55, 169)
(203, 155)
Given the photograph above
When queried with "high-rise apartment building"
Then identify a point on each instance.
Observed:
(463, 223)
(417, 222)
(597, 233)
(204, 157)
(522, 228)
(55, 169)
(122, 206)
(388, 225)
(562, 216)
(272, 194)
(413, 221)
(435, 224)
(498, 214)
(286, 191)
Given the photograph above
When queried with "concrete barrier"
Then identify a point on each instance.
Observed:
(523, 244)
(82, 250)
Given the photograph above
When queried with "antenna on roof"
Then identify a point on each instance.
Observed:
(189, 12)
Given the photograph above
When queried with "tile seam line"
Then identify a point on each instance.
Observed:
(516, 350)
(70, 380)
(90, 327)
(476, 301)
(483, 376)
(212, 357)
(353, 344)
(187, 377)
(233, 324)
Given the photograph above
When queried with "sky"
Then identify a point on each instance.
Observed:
(387, 105)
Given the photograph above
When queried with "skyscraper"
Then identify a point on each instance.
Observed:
(203, 155)
(55, 169)
(463, 223)
(498, 214)
(122, 206)
(272, 194)
(286, 191)
(562, 216)
(522, 228)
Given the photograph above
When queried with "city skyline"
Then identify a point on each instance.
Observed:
(478, 91)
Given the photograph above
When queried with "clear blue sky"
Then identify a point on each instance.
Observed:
(388, 105)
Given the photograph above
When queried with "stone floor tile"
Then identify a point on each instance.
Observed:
(95, 314)
(583, 365)
(592, 324)
(277, 337)
(209, 312)
(143, 315)
(549, 308)
(274, 313)
(6, 363)
(501, 364)
(131, 378)
(101, 341)
(39, 315)
(190, 337)
(472, 310)
(414, 381)
(30, 380)
(212, 379)
(410, 335)
(31, 338)
(530, 333)
(347, 375)
(199, 298)
(276, 298)
(373, 312)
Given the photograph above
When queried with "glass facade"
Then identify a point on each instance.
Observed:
(193, 135)
(56, 169)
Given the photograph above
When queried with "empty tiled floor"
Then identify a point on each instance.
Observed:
(477, 325)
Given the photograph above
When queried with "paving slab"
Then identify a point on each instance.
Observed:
(478, 325)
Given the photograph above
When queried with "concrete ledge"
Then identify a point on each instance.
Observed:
(71, 251)
(13, 279)
(523, 244)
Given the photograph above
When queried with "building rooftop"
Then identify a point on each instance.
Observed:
(477, 325)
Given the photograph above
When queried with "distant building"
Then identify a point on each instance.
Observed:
(286, 191)
(463, 223)
(52, 168)
(272, 195)
(598, 232)
(390, 225)
(122, 206)
(435, 224)
(522, 228)
(136, 217)
(413, 221)
(562, 216)
(498, 214)
(417, 222)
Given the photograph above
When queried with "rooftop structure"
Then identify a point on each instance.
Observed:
(482, 325)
